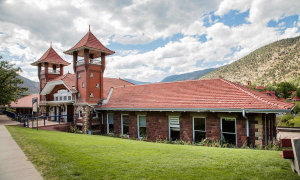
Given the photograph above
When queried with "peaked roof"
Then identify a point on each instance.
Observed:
(90, 41)
(51, 57)
(194, 95)
(24, 102)
(69, 80)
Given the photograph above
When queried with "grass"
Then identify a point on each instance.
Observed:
(59, 155)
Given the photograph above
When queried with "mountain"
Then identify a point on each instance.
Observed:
(136, 82)
(188, 76)
(276, 62)
(33, 86)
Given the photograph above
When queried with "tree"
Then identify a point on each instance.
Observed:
(285, 89)
(297, 92)
(9, 83)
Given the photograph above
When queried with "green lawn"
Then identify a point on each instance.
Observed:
(60, 155)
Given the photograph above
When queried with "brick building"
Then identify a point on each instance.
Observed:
(186, 110)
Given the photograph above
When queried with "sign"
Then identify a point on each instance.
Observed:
(34, 104)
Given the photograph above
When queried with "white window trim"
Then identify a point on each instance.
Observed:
(169, 125)
(194, 126)
(107, 124)
(122, 123)
(97, 116)
(138, 124)
(229, 132)
(79, 115)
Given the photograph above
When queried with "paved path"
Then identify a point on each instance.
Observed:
(14, 165)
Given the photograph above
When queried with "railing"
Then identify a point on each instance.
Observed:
(91, 61)
(32, 119)
(50, 71)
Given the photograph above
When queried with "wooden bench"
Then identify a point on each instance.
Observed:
(293, 154)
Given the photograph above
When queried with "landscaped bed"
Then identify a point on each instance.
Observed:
(59, 155)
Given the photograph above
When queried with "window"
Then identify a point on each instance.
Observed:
(110, 123)
(125, 124)
(97, 85)
(91, 75)
(174, 128)
(142, 126)
(56, 98)
(60, 98)
(228, 130)
(65, 98)
(91, 94)
(199, 127)
(95, 115)
(83, 85)
(69, 98)
(78, 75)
(79, 114)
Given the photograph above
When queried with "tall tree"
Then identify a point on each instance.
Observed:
(285, 89)
(9, 83)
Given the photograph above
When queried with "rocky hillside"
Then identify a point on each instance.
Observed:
(33, 87)
(276, 62)
(188, 76)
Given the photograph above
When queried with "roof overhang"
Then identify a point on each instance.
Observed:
(198, 110)
(50, 86)
(70, 51)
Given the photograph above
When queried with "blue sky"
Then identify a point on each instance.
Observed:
(152, 39)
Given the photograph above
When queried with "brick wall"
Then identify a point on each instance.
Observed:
(158, 125)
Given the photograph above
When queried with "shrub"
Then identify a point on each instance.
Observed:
(74, 129)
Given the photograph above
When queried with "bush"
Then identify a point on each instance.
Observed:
(285, 119)
(297, 108)
(295, 122)
(74, 129)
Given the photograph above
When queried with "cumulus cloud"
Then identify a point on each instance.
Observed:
(27, 27)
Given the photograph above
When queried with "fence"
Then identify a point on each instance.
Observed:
(26, 119)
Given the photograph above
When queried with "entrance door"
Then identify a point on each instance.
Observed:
(228, 130)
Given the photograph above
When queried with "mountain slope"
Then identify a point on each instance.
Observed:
(33, 87)
(276, 62)
(136, 82)
(188, 76)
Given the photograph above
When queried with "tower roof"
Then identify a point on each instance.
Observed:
(51, 57)
(89, 41)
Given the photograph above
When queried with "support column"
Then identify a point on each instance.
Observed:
(61, 68)
(258, 130)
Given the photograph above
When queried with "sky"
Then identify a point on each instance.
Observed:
(152, 38)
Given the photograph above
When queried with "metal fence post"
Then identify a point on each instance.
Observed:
(44, 121)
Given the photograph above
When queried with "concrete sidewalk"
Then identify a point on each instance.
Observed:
(14, 165)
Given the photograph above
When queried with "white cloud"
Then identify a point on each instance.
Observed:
(29, 26)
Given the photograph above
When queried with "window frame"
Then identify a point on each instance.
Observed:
(194, 126)
(107, 124)
(80, 114)
(122, 130)
(170, 138)
(138, 125)
(221, 127)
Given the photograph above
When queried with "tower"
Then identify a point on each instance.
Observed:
(48, 66)
(89, 70)
(89, 65)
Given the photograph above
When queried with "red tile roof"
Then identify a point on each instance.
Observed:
(90, 41)
(70, 81)
(194, 94)
(51, 57)
(296, 98)
(24, 102)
